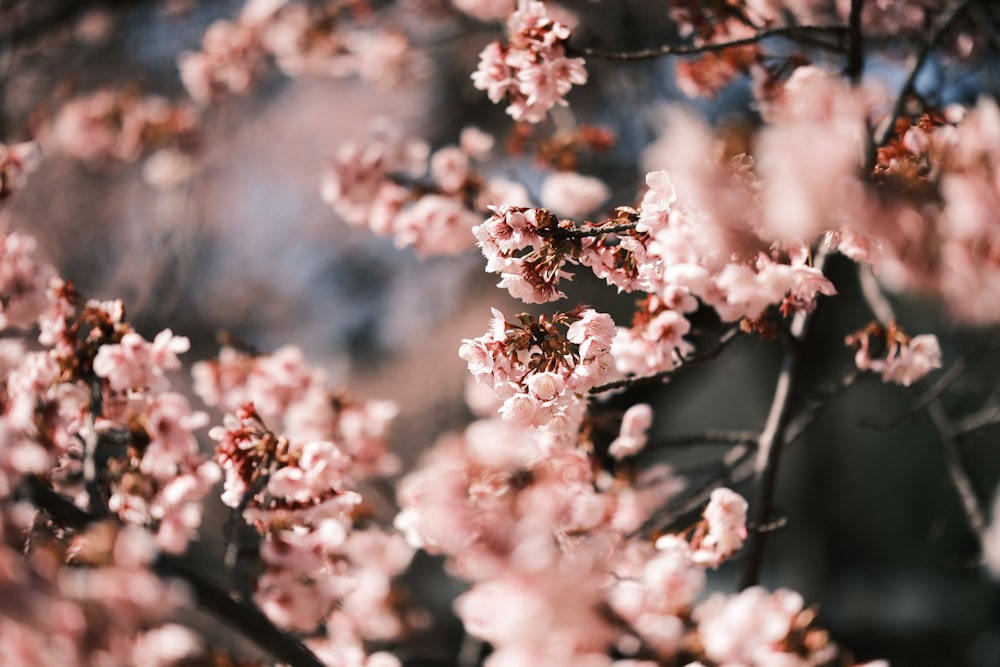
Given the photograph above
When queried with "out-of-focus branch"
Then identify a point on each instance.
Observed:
(874, 297)
(978, 420)
(930, 401)
(930, 394)
(813, 404)
(58, 15)
(242, 617)
(715, 350)
(735, 467)
(772, 441)
(885, 131)
(951, 440)
(470, 652)
(694, 49)
(707, 438)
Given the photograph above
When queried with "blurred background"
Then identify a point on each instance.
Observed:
(875, 535)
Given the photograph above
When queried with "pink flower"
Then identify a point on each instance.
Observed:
(532, 73)
(545, 386)
(165, 646)
(134, 363)
(914, 360)
(449, 168)
(746, 628)
(592, 332)
(632, 436)
(726, 518)
(572, 195)
(657, 203)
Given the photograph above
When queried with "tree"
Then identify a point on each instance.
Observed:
(762, 254)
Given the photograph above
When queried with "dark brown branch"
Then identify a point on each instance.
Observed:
(695, 49)
(888, 125)
(855, 43)
(771, 443)
(813, 405)
(584, 232)
(720, 344)
(244, 618)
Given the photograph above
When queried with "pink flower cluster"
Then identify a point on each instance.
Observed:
(938, 233)
(894, 355)
(668, 248)
(530, 276)
(317, 569)
(294, 397)
(532, 72)
(313, 38)
(757, 628)
(23, 282)
(426, 200)
(714, 253)
(541, 374)
(111, 126)
(655, 341)
(99, 385)
(16, 162)
(548, 542)
(232, 55)
(726, 528)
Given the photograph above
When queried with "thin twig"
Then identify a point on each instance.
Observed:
(874, 296)
(930, 401)
(931, 393)
(694, 49)
(735, 467)
(584, 232)
(720, 344)
(888, 125)
(707, 438)
(813, 405)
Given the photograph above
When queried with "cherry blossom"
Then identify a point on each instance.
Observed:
(532, 72)
(574, 540)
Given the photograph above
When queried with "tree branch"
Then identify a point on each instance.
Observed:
(950, 16)
(735, 467)
(584, 232)
(695, 49)
(813, 405)
(855, 43)
(707, 438)
(244, 618)
(978, 420)
(720, 344)
(772, 441)
(930, 401)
